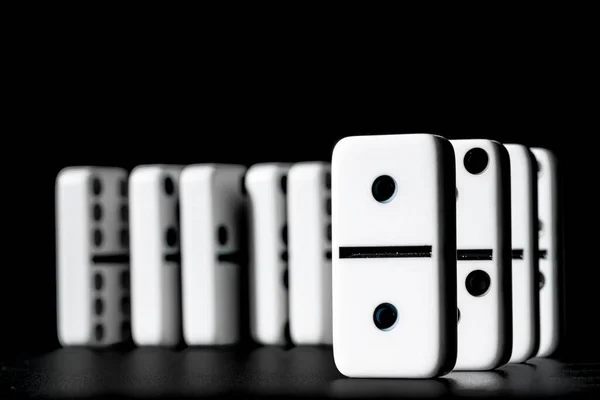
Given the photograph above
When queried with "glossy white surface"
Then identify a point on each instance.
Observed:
(268, 217)
(77, 319)
(211, 199)
(155, 282)
(525, 304)
(423, 343)
(309, 268)
(548, 241)
(483, 222)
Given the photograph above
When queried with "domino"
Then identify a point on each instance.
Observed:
(309, 221)
(394, 256)
(213, 210)
(483, 220)
(525, 296)
(266, 185)
(92, 244)
(155, 255)
(548, 251)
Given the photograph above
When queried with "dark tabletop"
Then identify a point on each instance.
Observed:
(267, 371)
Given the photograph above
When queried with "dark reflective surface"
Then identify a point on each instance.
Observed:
(268, 371)
(405, 388)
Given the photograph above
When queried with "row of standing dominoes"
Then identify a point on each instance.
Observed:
(392, 294)
(447, 255)
(160, 254)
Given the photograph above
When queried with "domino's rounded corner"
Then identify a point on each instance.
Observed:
(308, 167)
(502, 150)
(521, 359)
(343, 146)
(72, 174)
(444, 143)
(438, 136)
(265, 171)
(519, 150)
(340, 365)
(65, 341)
(499, 146)
(196, 172)
(542, 152)
(145, 172)
(62, 341)
(515, 147)
(495, 142)
(549, 351)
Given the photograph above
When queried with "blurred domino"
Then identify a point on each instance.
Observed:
(212, 215)
(267, 186)
(309, 230)
(394, 256)
(525, 307)
(155, 255)
(92, 256)
(483, 220)
(548, 251)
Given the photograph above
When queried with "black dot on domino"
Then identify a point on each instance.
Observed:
(97, 212)
(123, 187)
(542, 280)
(477, 283)
(99, 332)
(328, 254)
(171, 237)
(98, 306)
(222, 235)
(284, 256)
(125, 305)
(124, 280)
(284, 184)
(328, 180)
(124, 213)
(124, 237)
(328, 206)
(98, 237)
(169, 186)
(286, 278)
(284, 234)
(329, 232)
(98, 281)
(96, 186)
(125, 330)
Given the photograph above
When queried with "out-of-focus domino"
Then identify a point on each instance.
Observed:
(309, 230)
(548, 251)
(484, 280)
(266, 185)
(525, 300)
(92, 256)
(394, 256)
(213, 253)
(155, 255)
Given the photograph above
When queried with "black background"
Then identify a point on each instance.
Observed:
(81, 104)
